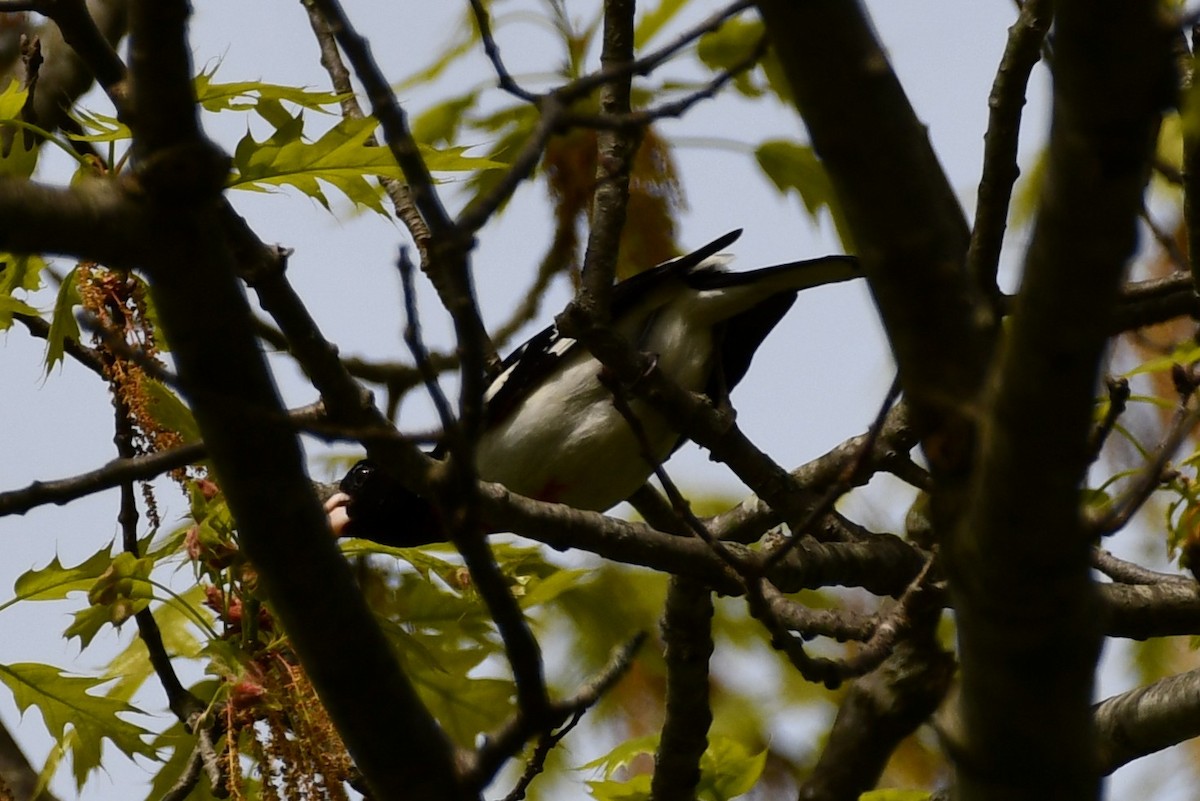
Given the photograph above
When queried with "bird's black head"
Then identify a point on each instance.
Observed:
(373, 505)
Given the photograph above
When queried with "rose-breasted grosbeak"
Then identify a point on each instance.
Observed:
(552, 430)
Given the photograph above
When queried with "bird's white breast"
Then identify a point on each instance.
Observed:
(568, 443)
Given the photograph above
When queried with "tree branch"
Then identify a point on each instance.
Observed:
(687, 634)
(1000, 169)
(908, 227)
(879, 711)
(1147, 719)
(254, 452)
(1022, 536)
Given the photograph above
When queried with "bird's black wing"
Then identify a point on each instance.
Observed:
(739, 340)
(527, 366)
(627, 293)
(521, 371)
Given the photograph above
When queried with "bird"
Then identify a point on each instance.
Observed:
(551, 429)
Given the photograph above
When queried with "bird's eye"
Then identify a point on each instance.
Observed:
(359, 476)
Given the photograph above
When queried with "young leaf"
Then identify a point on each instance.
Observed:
(170, 412)
(10, 306)
(653, 21)
(62, 322)
(728, 770)
(340, 158)
(894, 794)
(623, 754)
(12, 100)
(439, 124)
(247, 95)
(20, 271)
(62, 699)
(637, 788)
(17, 157)
(103, 127)
(792, 167)
(119, 593)
(54, 582)
(730, 45)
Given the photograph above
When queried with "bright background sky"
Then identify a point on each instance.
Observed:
(821, 374)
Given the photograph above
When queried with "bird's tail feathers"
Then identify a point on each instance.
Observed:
(792, 276)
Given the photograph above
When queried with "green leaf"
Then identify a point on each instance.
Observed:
(53, 761)
(893, 794)
(653, 21)
(465, 707)
(623, 755)
(170, 412)
(54, 581)
(12, 100)
(340, 158)
(62, 322)
(1028, 191)
(730, 45)
(248, 95)
(793, 167)
(1184, 352)
(440, 124)
(636, 788)
(20, 271)
(119, 593)
(66, 700)
(182, 744)
(728, 770)
(469, 37)
(104, 128)
(10, 306)
(18, 157)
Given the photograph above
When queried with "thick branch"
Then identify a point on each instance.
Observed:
(254, 451)
(614, 161)
(687, 632)
(907, 224)
(1023, 539)
(92, 220)
(92, 30)
(1147, 719)
(879, 711)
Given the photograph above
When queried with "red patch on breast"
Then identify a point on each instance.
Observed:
(551, 491)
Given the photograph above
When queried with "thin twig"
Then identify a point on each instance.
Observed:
(113, 474)
(391, 116)
(844, 483)
(1166, 240)
(490, 47)
(1150, 477)
(145, 468)
(1000, 169)
(397, 191)
(502, 744)
(416, 346)
(1118, 397)
(672, 109)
